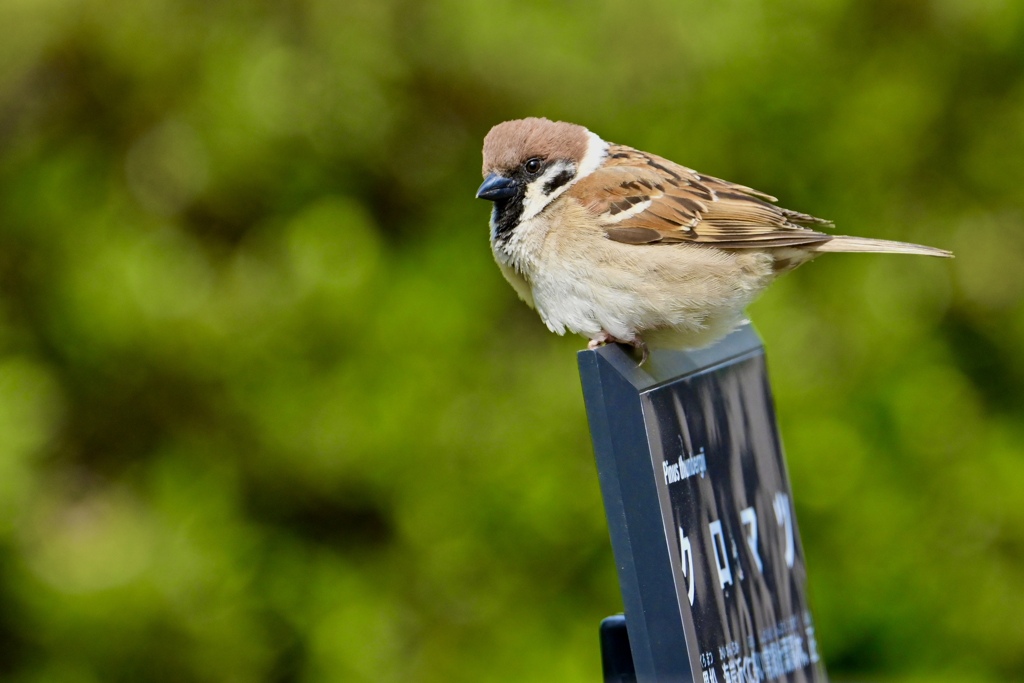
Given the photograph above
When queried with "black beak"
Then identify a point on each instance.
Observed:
(496, 187)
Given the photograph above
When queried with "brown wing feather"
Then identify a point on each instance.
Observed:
(681, 205)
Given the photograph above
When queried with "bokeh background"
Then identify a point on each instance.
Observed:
(268, 411)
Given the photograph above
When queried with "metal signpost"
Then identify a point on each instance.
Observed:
(701, 518)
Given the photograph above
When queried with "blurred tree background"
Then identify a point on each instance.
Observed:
(268, 411)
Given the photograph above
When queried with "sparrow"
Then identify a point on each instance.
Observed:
(624, 246)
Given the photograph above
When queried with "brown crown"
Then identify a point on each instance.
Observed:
(511, 143)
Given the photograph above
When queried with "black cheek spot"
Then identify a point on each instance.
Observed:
(559, 180)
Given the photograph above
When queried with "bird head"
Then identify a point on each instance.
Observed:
(529, 162)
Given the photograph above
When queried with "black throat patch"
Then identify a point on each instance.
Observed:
(506, 214)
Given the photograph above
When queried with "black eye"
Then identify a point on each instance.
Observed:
(533, 165)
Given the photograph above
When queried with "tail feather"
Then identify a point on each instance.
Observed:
(843, 243)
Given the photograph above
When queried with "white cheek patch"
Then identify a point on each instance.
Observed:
(535, 199)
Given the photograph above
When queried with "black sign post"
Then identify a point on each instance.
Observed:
(701, 518)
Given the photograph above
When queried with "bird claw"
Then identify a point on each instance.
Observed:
(636, 343)
(600, 340)
(645, 353)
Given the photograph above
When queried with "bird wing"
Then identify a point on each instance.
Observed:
(641, 198)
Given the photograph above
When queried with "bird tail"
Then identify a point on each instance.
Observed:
(842, 243)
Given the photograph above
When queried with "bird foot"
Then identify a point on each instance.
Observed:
(635, 342)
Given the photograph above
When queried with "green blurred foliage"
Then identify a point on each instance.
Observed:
(268, 411)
